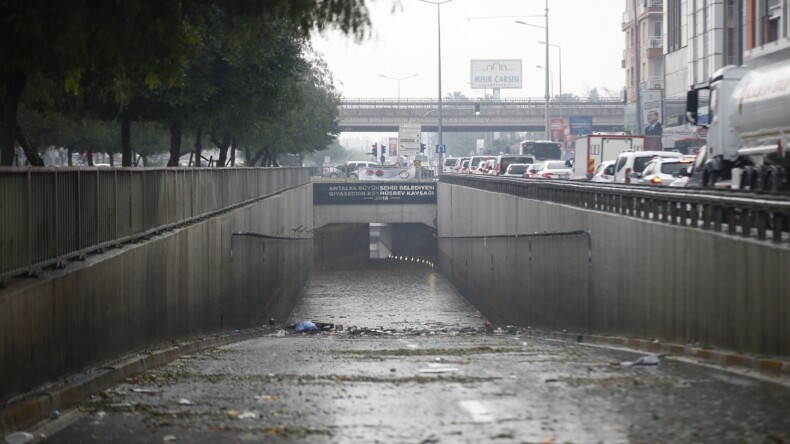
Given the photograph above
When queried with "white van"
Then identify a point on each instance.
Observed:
(630, 162)
(449, 164)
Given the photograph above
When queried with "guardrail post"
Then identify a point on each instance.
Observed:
(731, 222)
(746, 216)
(777, 227)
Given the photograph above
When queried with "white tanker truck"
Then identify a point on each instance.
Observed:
(746, 111)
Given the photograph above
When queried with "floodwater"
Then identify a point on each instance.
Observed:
(415, 363)
(386, 294)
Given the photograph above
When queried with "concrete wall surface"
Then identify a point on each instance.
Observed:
(199, 279)
(386, 213)
(645, 279)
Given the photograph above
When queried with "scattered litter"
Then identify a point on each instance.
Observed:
(551, 380)
(101, 414)
(54, 415)
(169, 438)
(248, 415)
(19, 438)
(279, 334)
(236, 331)
(439, 370)
(305, 327)
(146, 391)
(272, 322)
(262, 398)
(644, 360)
(121, 405)
(233, 414)
(184, 401)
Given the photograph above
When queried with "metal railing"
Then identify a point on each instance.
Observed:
(51, 215)
(737, 213)
(470, 102)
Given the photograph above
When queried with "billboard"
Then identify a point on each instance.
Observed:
(651, 119)
(490, 74)
(580, 125)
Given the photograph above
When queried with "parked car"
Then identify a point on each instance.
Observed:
(332, 171)
(352, 167)
(532, 170)
(486, 167)
(449, 164)
(464, 167)
(629, 162)
(516, 170)
(554, 169)
(604, 172)
(460, 164)
(661, 171)
(502, 161)
(474, 162)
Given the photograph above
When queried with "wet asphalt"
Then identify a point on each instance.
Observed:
(415, 363)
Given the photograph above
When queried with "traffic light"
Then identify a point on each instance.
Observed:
(477, 109)
(375, 149)
(422, 148)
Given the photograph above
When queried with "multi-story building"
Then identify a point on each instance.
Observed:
(643, 61)
(700, 37)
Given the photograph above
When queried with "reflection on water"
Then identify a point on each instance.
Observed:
(385, 294)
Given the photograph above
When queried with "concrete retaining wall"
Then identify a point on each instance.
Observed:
(194, 280)
(646, 280)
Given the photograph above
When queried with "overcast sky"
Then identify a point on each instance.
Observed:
(404, 42)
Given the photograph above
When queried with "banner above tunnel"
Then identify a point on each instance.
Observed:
(351, 193)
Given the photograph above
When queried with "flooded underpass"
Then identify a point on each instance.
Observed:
(406, 359)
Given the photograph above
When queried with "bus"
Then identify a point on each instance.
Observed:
(542, 149)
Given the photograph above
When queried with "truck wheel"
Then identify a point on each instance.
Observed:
(747, 176)
(761, 172)
(709, 177)
(773, 178)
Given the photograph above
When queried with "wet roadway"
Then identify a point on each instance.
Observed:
(415, 363)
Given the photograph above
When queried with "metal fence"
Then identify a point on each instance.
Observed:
(752, 216)
(50, 215)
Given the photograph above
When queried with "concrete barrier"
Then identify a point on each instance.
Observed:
(198, 279)
(646, 279)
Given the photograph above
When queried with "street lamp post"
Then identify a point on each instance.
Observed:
(439, 32)
(559, 48)
(546, 95)
(398, 79)
(551, 75)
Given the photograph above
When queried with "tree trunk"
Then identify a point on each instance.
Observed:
(89, 155)
(126, 140)
(175, 143)
(233, 143)
(254, 160)
(69, 151)
(223, 151)
(15, 85)
(112, 159)
(30, 150)
(198, 146)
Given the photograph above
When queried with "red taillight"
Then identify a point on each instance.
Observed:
(628, 175)
(656, 180)
(531, 175)
(546, 175)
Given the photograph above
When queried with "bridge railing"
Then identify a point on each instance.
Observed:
(529, 102)
(751, 216)
(50, 215)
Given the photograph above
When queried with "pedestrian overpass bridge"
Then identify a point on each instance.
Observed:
(458, 115)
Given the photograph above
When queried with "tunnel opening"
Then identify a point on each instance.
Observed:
(342, 246)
